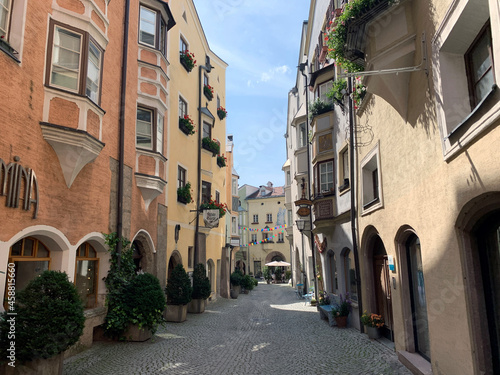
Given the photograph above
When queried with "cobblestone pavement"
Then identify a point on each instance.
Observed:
(268, 331)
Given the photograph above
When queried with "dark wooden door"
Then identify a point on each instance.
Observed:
(383, 293)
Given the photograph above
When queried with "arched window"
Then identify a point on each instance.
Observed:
(87, 269)
(350, 275)
(31, 257)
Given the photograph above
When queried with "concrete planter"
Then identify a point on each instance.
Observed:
(236, 288)
(373, 332)
(196, 306)
(51, 366)
(176, 313)
(234, 294)
(134, 333)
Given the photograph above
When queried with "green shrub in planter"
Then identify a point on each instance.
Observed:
(247, 282)
(145, 301)
(236, 278)
(255, 282)
(49, 318)
(178, 288)
(201, 283)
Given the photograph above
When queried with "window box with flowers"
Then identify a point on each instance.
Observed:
(340, 88)
(222, 113)
(184, 194)
(213, 205)
(186, 124)
(208, 91)
(187, 60)
(211, 145)
(318, 107)
(221, 161)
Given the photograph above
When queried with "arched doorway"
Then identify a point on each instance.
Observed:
(174, 260)
(211, 272)
(331, 263)
(240, 265)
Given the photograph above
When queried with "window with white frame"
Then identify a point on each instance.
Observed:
(302, 134)
(75, 61)
(350, 275)
(183, 108)
(12, 26)
(324, 176)
(322, 90)
(464, 73)
(289, 217)
(234, 226)
(152, 29)
(269, 218)
(281, 237)
(149, 129)
(254, 237)
(255, 219)
(206, 191)
(181, 177)
(207, 130)
(5, 7)
(370, 180)
(234, 186)
(288, 178)
(183, 46)
(217, 196)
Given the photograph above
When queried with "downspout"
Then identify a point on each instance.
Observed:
(198, 184)
(121, 157)
(309, 189)
(352, 176)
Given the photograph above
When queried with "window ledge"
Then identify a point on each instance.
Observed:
(9, 51)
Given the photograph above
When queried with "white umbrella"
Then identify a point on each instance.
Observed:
(277, 263)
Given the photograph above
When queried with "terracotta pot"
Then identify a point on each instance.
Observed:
(373, 332)
(341, 321)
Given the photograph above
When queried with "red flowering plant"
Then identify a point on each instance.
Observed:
(221, 160)
(213, 205)
(186, 124)
(211, 145)
(221, 112)
(208, 91)
(339, 88)
(187, 60)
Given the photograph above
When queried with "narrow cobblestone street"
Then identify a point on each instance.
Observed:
(268, 331)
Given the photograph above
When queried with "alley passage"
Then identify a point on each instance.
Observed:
(268, 331)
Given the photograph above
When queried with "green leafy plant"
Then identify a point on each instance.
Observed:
(319, 107)
(221, 160)
(145, 301)
(211, 145)
(343, 308)
(178, 288)
(186, 124)
(221, 112)
(336, 92)
(187, 60)
(201, 283)
(236, 278)
(49, 318)
(372, 320)
(208, 91)
(184, 193)
(213, 205)
(247, 282)
(266, 272)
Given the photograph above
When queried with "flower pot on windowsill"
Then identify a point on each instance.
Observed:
(221, 113)
(208, 91)
(221, 162)
(184, 128)
(182, 199)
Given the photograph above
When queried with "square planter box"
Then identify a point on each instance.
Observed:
(133, 333)
(196, 306)
(176, 313)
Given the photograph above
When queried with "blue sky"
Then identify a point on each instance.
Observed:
(259, 39)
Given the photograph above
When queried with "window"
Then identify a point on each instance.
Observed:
(302, 135)
(218, 101)
(344, 159)
(266, 237)
(289, 217)
(217, 196)
(149, 130)
(324, 173)
(181, 177)
(233, 225)
(479, 66)
(254, 238)
(255, 219)
(370, 175)
(182, 107)
(322, 90)
(30, 257)
(75, 63)
(207, 130)
(86, 273)
(190, 256)
(205, 79)
(152, 29)
(350, 275)
(288, 178)
(281, 237)
(5, 6)
(269, 218)
(235, 186)
(206, 191)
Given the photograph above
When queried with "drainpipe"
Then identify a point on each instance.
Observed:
(208, 69)
(121, 157)
(352, 177)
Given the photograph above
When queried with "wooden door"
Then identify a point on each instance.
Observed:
(383, 293)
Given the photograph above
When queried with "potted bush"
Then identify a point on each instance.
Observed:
(184, 194)
(186, 124)
(247, 283)
(144, 305)
(266, 272)
(211, 145)
(373, 323)
(201, 290)
(49, 320)
(319, 107)
(187, 60)
(208, 91)
(341, 311)
(222, 113)
(236, 279)
(179, 293)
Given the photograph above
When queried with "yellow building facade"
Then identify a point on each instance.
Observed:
(196, 92)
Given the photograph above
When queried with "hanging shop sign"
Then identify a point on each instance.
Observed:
(19, 185)
(211, 218)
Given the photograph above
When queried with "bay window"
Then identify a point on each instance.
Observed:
(152, 29)
(149, 129)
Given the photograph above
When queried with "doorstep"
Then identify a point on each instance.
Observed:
(415, 363)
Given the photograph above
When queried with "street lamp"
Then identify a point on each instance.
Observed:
(301, 224)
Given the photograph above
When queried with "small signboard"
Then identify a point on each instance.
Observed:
(390, 261)
(211, 218)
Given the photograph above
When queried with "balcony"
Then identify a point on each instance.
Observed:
(324, 208)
